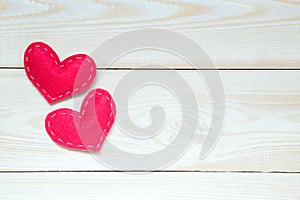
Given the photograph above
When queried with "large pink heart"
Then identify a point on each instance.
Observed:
(87, 129)
(54, 79)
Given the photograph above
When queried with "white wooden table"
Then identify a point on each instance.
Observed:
(254, 44)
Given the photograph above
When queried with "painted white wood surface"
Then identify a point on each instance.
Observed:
(261, 130)
(229, 186)
(235, 34)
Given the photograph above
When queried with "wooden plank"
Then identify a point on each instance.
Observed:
(261, 130)
(235, 34)
(149, 186)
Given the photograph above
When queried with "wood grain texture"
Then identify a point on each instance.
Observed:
(79, 186)
(234, 33)
(261, 130)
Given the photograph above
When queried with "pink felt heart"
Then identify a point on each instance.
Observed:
(54, 79)
(87, 129)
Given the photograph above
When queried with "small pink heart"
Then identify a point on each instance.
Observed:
(87, 129)
(54, 79)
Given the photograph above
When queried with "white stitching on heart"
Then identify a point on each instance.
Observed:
(69, 143)
(83, 111)
(68, 92)
(52, 132)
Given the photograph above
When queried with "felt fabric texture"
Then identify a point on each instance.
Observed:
(54, 79)
(85, 130)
